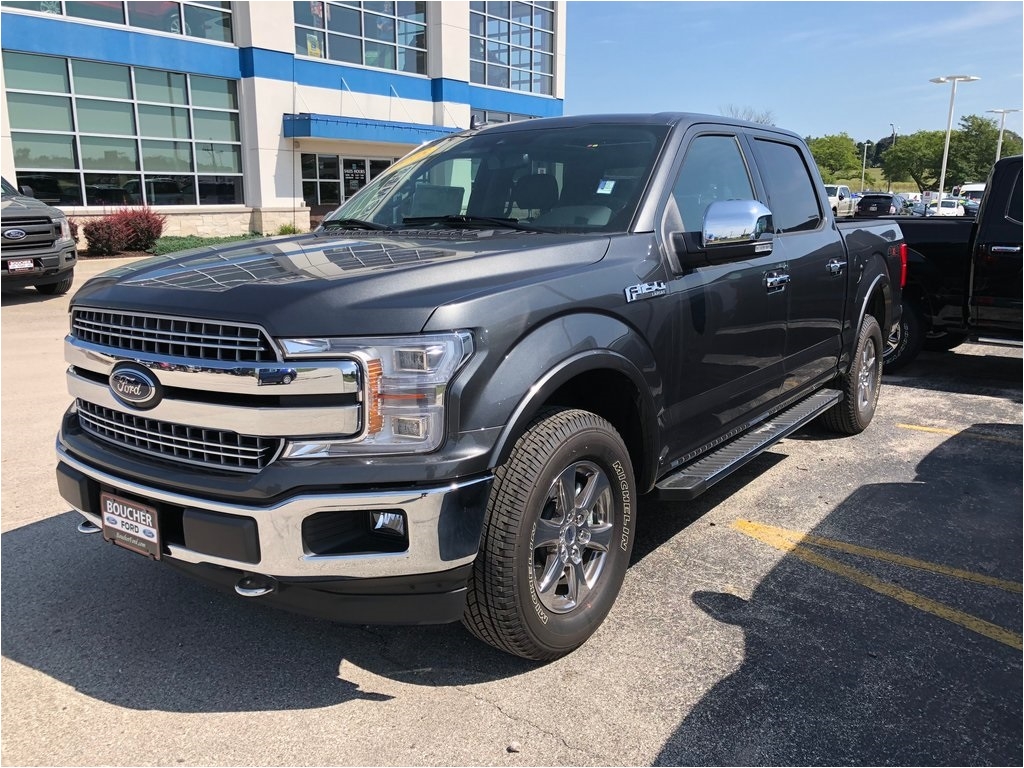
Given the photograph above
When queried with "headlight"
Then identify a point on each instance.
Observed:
(405, 379)
(65, 229)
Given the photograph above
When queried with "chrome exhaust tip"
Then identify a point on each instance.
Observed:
(255, 585)
(87, 526)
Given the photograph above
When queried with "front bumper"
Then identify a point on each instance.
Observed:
(310, 543)
(51, 266)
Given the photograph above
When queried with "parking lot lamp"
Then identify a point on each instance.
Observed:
(864, 166)
(954, 79)
(1002, 123)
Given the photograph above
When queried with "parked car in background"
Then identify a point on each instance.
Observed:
(950, 206)
(972, 192)
(38, 249)
(840, 199)
(882, 204)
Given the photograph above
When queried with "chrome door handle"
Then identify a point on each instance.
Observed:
(835, 266)
(775, 281)
(1005, 249)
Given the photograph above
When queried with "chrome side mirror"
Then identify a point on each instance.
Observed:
(737, 223)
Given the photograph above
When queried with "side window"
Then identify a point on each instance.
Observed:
(713, 169)
(791, 194)
(1014, 211)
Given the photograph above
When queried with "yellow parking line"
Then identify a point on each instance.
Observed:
(783, 540)
(954, 432)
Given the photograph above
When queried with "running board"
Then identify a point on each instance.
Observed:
(691, 480)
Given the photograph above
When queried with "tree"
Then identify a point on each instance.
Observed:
(763, 116)
(972, 149)
(835, 155)
(918, 157)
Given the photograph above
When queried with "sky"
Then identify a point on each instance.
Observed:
(820, 68)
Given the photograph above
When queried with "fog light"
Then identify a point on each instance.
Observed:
(392, 523)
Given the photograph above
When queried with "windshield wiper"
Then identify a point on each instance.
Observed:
(353, 224)
(456, 219)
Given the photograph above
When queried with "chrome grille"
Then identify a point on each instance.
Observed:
(172, 336)
(179, 443)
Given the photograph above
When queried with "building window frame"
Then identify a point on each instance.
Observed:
(329, 178)
(512, 45)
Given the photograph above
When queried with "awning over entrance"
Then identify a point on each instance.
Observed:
(307, 125)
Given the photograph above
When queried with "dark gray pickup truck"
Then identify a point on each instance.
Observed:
(446, 402)
(38, 249)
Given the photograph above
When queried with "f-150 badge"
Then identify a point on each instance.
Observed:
(646, 291)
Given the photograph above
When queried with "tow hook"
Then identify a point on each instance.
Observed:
(87, 526)
(255, 585)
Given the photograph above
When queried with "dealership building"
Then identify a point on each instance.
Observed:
(230, 117)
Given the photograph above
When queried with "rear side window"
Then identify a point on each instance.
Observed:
(1014, 211)
(791, 192)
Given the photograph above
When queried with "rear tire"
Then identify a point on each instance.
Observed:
(557, 538)
(860, 384)
(58, 288)
(904, 344)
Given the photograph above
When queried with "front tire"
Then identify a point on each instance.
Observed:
(557, 538)
(860, 384)
(59, 288)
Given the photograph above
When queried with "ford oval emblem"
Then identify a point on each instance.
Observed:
(15, 234)
(135, 385)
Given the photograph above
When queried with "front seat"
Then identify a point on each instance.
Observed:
(536, 192)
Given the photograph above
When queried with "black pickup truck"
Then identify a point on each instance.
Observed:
(479, 364)
(963, 274)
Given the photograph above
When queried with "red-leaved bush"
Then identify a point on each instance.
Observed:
(130, 229)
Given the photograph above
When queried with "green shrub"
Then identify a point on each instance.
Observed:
(287, 229)
(167, 245)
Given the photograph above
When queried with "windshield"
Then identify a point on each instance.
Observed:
(586, 178)
(8, 188)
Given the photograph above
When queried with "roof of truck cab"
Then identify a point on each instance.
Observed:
(674, 119)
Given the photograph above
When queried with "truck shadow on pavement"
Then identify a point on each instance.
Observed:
(955, 371)
(836, 672)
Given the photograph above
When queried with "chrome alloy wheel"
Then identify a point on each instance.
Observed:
(571, 539)
(867, 376)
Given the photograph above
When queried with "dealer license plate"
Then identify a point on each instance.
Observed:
(20, 265)
(130, 524)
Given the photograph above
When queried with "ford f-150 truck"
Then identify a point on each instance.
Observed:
(38, 249)
(964, 274)
(479, 364)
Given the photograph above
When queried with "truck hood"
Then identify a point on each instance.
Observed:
(19, 205)
(339, 283)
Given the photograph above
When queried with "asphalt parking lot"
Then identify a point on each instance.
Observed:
(839, 601)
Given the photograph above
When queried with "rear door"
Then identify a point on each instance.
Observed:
(809, 244)
(995, 296)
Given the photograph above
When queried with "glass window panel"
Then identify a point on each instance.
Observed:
(520, 35)
(52, 188)
(520, 80)
(379, 7)
(330, 193)
(497, 76)
(106, 154)
(380, 55)
(348, 49)
(170, 190)
(35, 73)
(162, 17)
(477, 72)
(224, 5)
(476, 48)
(379, 27)
(308, 166)
(498, 9)
(112, 13)
(497, 53)
(165, 87)
(214, 92)
(95, 116)
(542, 84)
(347, 20)
(309, 43)
(37, 150)
(220, 190)
(309, 13)
(521, 12)
(377, 167)
(544, 41)
(208, 24)
(111, 189)
(413, 11)
(309, 193)
(543, 62)
(328, 167)
(477, 5)
(36, 6)
(521, 57)
(33, 111)
(476, 25)
(497, 30)
(218, 126)
(95, 79)
(412, 60)
(219, 158)
(169, 122)
(412, 34)
(167, 155)
(544, 20)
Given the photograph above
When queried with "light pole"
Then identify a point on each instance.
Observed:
(954, 79)
(1002, 122)
(888, 187)
(864, 167)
